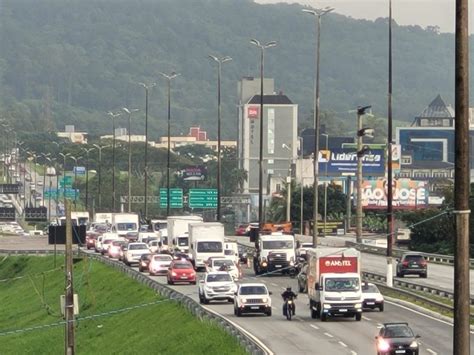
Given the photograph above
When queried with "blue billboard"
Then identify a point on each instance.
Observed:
(343, 161)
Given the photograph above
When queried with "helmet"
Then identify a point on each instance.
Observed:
(288, 288)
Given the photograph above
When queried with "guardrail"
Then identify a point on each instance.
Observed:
(434, 258)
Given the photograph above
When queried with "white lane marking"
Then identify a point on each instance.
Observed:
(366, 318)
(274, 284)
(424, 315)
(299, 319)
(353, 352)
(432, 352)
(274, 308)
(342, 344)
(329, 335)
(314, 326)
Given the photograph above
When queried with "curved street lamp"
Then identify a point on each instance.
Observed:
(260, 158)
(147, 88)
(219, 62)
(168, 78)
(129, 112)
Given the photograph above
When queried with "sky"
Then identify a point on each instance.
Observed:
(405, 12)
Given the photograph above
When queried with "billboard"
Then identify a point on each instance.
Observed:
(194, 173)
(343, 161)
(253, 112)
(407, 194)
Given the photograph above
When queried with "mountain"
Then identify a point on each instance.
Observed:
(71, 61)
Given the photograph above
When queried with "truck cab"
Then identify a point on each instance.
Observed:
(274, 252)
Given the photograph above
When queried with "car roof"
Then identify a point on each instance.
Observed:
(217, 273)
(395, 324)
(252, 284)
(413, 254)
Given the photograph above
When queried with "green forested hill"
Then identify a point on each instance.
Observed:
(70, 61)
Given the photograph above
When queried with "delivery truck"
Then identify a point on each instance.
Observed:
(334, 283)
(177, 231)
(206, 240)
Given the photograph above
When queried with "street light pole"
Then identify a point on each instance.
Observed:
(325, 188)
(129, 112)
(168, 78)
(64, 175)
(318, 13)
(301, 187)
(147, 88)
(45, 156)
(260, 157)
(99, 168)
(87, 150)
(75, 178)
(219, 61)
(114, 116)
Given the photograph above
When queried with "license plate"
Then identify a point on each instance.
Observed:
(343, 310)
(277, 265)
(184, 277)
(400, 351)
(254, 307)
(414, 265)
(370, 303)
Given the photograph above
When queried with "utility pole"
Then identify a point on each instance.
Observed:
(69, 291)
(461, 331)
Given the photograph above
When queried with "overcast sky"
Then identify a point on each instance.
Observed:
(405, 12)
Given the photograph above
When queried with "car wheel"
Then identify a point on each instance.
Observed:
(425, 275)
(381, 308)
(205, 300)
(358, 317)
(140, 269)
(269, 313)
(301, 289)
(323, 317)
(170, 282)
(239, 312)
(193, 282)
(200, 299)
(230, 300)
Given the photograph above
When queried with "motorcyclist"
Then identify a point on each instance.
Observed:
(288, 294)
(224, 267)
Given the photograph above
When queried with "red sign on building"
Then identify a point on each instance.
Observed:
(339, 264)
(253, 112)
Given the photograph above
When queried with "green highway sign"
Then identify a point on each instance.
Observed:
(176, 198)
(66, 181)
(203, 198)
(53, 193)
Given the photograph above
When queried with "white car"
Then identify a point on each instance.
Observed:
(252, 298)
(371, 297)
(134, 252)
(159, 264)
(153, 245)
(224, 264)
(217, 286)
(301, 251)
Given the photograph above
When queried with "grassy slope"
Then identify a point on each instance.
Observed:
(163, 328)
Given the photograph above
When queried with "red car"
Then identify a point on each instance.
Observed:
(181, 271)
(242, 230)
(90, 241)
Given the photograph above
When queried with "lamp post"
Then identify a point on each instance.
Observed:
(300, 139)
(75, 177)
(361, 132)
(113, 116)
(318, 13)
(64, 175)
(50, 175)
(168, 78)
(87, 150)
(325, 188)
(260, 157)
(147, 88)
(219, 61)
(129, 113)
(33, 170)
(99, 168)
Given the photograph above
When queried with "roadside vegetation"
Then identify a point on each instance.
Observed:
(31, 287)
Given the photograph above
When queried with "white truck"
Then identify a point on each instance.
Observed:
(77, 219)
(206, 239)
(231, 250)
(103, 217)
(125, 223)
(177, 227)
(275, 252)
(334, 283)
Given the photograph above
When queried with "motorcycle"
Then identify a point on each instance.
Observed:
(289, 308)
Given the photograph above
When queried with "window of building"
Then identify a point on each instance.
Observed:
(406, 160)
(421, 174)
(440, 174)
(404, 174)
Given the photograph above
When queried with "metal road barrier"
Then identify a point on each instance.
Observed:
(434, 258)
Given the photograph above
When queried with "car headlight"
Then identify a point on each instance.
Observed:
(358, 305)
(207, 288)
(264, 300)
(173, 274)
(379, 299)
(326, 306)
(292, 263)
(414, 344)
(243, 300)
(383, 345)
(264, 263)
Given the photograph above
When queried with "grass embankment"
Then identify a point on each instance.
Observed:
(161, 328)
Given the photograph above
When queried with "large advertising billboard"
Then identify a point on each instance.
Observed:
(407, 194)
(344, 162)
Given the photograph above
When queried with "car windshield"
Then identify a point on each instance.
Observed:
(278, 244)
(342, 284)
(413, 258)
(164, 240)
(137, 246)
(218, 263)
(209, 247)
(152, 238)
(162, 258)
(183, 241)
(398, 331)
(117, 243)
(218, 277)
(306, 245)
(160, 225)
(253, 290)
(126, 226)
(370, 289)
(182, 266)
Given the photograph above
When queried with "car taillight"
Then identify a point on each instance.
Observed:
(405, 263)
(423, 263)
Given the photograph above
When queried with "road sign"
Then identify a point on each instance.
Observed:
(66, 181)
(9, 188)
(59, 193)
(203, 198)
(79, 170)
(140, 199)
(36, 214)
(176, 198)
